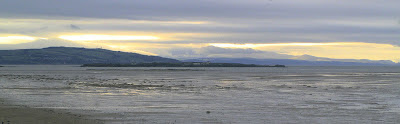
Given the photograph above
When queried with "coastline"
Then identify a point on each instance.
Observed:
(14, 114)
(184, 64)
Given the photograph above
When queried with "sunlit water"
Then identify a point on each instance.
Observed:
(210, 95)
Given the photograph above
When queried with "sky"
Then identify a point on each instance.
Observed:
(185, 29)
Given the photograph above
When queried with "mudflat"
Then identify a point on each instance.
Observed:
(301, 95)
(12, 114)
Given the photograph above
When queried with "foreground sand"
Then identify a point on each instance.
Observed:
(10, 114)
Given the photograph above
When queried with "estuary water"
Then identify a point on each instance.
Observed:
(209, 95)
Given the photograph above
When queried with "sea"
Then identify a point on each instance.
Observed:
(197, 95)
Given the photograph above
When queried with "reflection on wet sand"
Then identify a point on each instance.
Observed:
(209, 95)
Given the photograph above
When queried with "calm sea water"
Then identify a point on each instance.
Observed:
(210, 95)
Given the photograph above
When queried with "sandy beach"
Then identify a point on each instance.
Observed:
(13, 114)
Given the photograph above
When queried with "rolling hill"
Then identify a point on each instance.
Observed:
(73, 55)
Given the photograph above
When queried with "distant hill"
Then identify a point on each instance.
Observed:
(72, 55)
(288, 62)
(353, 61)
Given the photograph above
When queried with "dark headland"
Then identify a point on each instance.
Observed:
(101, 58)
(74, 56)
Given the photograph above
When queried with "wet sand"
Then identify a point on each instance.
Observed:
(12, 114)
(60, 94)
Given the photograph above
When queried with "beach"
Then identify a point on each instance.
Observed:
(73, 94)
(14, 114)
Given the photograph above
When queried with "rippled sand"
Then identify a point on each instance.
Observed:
(208, 95)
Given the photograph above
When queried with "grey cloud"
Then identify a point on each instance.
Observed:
(218, 50)
(156, 9)
(179, 53)
(74, 27)
(247, 21)
(211, 51)
(40, 44)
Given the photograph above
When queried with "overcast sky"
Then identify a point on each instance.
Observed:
(352, 29)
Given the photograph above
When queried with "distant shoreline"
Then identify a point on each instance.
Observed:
(184, 64)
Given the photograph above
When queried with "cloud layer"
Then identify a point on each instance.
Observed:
(180, 23)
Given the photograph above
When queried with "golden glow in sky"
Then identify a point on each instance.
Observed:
(230, 45)
(173, 22)
(16, 39)
(94, 37)
(335, 50)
